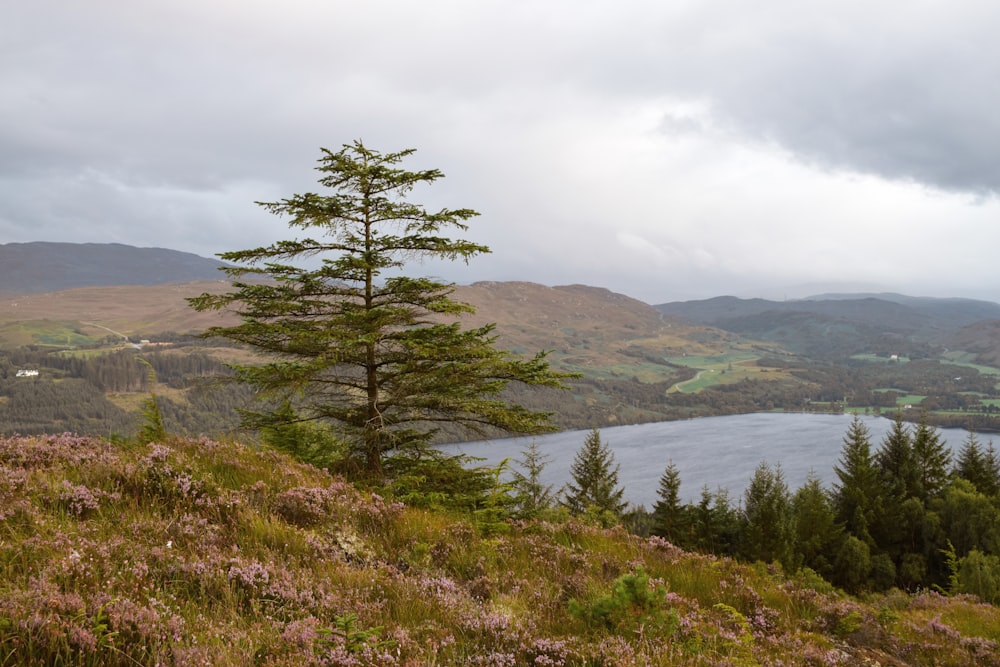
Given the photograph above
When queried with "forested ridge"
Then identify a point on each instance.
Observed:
(74, 392)
(950, 395)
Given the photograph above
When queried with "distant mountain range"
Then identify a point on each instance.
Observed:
(33, 268)
(896, 310)
(838, 325)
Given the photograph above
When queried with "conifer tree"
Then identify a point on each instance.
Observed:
(857, 497)
(992, 471)
(896, 461)
(669, 513)
(705, 524)
(817, 534)
(152, 428)
(978, 465)
(715, 524)
(890, 527)
(931, 460)
(533, 495)
(969, 518)
(594, 488)
(767, 518)
(350, 341)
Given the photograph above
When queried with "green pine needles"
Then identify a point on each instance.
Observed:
(151, 428)
(594, 490)
(379, 356)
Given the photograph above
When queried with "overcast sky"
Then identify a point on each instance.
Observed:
(665, 149)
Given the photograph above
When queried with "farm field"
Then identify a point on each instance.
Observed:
(727, 368)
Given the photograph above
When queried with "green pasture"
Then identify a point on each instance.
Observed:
(875, 358)
(715, 361)
(727, 368)
(49, 333)
(642, 372)
(968, 359)
(904, 398)
(984, 370)
(704, 379)
(959, 356)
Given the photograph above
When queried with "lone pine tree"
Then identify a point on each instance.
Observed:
(379, 356)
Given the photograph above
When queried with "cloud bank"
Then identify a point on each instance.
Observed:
(666, 150)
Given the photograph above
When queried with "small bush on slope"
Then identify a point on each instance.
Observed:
(193, 552)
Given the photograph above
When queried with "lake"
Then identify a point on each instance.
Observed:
(717, 451)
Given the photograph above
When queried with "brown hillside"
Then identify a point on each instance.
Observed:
(585, 328)
(131, 310)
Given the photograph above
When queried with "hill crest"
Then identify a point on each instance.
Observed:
(41, 266)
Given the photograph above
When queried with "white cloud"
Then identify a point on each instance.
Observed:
(662, 149)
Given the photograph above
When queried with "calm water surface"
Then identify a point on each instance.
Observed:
(717, 451)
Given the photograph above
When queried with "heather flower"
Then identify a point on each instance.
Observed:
(78, 499)
(12, 479)
(979, 646)
(303, 633)
(207, 445)
(252, 576)
(140, 570)
(188, 487)
(157, 454)
(494, 659)
(665, 547)
(937, 627)
(617, 651)
(545, 652)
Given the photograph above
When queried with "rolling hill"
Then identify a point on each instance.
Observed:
(629, 354)
(638, 362)
(32, 268)
(837, 326)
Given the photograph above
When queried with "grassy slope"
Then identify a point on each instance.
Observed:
(589, 329)
(131, 310)
(203, 552)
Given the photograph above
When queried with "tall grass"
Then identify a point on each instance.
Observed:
(196, 552)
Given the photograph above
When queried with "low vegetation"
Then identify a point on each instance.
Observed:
(198, 551)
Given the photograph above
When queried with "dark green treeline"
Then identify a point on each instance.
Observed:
(903, 513)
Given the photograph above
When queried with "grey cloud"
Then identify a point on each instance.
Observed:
(902, 90)
(161, 123)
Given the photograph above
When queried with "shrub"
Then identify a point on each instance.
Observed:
(632, 603)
